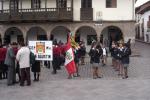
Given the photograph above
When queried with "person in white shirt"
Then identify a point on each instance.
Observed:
(104, 56)
(23, 57)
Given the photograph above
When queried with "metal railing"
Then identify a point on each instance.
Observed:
(37, 14)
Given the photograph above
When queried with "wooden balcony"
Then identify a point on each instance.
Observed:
(42, 14)
(86, 14)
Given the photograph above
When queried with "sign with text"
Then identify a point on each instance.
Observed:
(42, 49)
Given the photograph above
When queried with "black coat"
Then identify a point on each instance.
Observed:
(36, 67)
(95, 55)
(116, 53)
(125, 55)
(82, 51)
(76, 56)
(112, 51)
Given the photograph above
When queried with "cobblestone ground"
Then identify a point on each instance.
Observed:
(110, 87)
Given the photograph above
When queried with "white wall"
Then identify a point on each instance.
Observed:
(124, 10)
(26, 4)
(146, 19)
(76, 10)
(51, 3)
(6, 5)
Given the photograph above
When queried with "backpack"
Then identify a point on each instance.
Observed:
(32, 58)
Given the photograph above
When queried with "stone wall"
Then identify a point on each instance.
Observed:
(127, 27)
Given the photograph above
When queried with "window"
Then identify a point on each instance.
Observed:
(91, 38)
(111, 3)
(86, 3)
(35, 3)
(61, 3)
(41, 37)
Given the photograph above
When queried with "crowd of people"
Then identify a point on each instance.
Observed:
(120, 53)
(18, 59)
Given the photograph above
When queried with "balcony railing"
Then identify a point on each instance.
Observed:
(41, 14)
(86, 13)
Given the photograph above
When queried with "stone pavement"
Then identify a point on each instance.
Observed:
(110, 87)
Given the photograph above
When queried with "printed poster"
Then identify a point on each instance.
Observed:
(43, 50)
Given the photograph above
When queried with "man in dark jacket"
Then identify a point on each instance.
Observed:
(10, 62)
(126, 60)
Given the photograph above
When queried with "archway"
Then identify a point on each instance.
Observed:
(13, 34)
(86, 34)
(36, 33)
(59, 33)
(109, 34)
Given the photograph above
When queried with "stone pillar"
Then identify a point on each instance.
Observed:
(48, 34)
(2, 33)
(24, 32)
(2, 37)
(98, 30)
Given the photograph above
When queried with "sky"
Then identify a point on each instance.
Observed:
(140, 2)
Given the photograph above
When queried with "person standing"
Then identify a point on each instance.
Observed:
(95, 53)
(23, 57)
(82, 52)
(129, 43)
(10, 62)
(120, 53)
(36, 69)
(126, 60)
(104, 56)
(76, 60)
(112, 53)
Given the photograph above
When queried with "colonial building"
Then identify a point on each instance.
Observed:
(107, 20)
(143, 22)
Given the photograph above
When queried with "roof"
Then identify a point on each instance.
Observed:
(143, 8)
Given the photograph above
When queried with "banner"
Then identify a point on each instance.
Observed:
(42, 49)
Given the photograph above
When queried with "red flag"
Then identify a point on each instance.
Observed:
(69, 58)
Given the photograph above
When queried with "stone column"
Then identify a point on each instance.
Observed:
(24, 32)
(2, 33)
(98, 30)
(2, 38)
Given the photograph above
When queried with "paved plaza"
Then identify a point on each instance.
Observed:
(110, 87)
